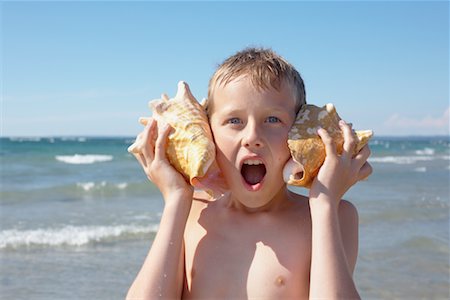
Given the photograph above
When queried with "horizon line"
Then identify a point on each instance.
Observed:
(133, 136)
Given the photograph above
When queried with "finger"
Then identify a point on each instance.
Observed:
(144, 120)
(141, 159)
(330, 147)
(161, 142)
(349, 140)
(148, 141)
(361, 158)
(363, 154)
(365, 171)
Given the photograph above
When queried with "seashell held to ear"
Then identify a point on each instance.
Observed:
(306, 146)
(190, 147)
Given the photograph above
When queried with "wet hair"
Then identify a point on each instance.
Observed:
(265, 68)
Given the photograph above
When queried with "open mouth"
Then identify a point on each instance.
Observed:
(253, 172)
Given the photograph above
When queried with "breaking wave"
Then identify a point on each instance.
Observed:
(78, 159)
(88, 186)
(425, 151)
(70, 235)
(401, 160)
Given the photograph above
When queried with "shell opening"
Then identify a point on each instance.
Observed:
(297, 176)
(293, 171)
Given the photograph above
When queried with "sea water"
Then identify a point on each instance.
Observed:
(78, 217)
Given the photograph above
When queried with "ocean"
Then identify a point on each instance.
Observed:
(78, 217)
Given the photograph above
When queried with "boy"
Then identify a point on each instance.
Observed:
(260, 240)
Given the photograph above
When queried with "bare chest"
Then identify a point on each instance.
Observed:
(240, 260)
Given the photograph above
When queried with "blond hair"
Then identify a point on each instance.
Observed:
(265, 68)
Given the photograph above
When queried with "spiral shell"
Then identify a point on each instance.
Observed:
(306, 146)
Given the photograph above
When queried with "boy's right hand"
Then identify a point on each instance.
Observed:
(150, 151)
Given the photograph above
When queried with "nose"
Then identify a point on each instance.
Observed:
(251, 137)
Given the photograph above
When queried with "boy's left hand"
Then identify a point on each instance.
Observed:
(340, 172)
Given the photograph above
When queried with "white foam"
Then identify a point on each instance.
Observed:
(122, 185)
(25, 139)
(425, 151)
(68, 235)
(420, 169)
(78, 159)
(87, 186)
(401, 160)
(73, 139)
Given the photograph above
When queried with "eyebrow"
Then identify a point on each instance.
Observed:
(232, 111)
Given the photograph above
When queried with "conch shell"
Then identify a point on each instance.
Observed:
(190, 147)
(306, 146)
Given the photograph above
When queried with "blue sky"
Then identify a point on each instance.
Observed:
(89, 68)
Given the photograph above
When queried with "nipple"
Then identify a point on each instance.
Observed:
(280, 281)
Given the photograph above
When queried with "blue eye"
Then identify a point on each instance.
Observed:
(273, 119)
(234, 121)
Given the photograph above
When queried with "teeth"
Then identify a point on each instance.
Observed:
(253, 162)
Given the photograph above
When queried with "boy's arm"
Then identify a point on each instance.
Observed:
(335, 222)
(161, 275)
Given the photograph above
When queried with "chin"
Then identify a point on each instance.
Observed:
(258, 199)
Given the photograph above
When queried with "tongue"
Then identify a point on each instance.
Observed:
(253, 174)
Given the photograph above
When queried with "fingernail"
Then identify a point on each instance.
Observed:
(341, 122)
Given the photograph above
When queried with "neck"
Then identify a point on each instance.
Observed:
(278, 202)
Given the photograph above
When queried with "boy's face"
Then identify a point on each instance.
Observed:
(250, 128)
